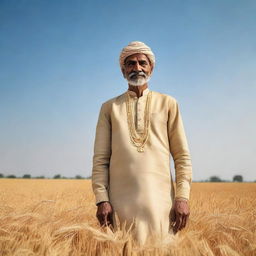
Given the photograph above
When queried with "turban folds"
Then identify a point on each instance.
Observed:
(136, 47)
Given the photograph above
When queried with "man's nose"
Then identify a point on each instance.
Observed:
(137, 66)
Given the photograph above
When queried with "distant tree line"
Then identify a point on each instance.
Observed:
(28, 176)
(236, 178)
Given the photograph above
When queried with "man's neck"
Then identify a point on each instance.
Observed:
(138, 89)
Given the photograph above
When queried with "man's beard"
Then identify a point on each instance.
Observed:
(137, 78)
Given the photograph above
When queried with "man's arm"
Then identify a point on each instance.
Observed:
(182, 162)
(100, 170)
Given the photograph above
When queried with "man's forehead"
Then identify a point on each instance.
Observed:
(137, 56)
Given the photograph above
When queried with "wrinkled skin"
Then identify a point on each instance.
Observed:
(105, 214)
(135, 63)
(179, 214)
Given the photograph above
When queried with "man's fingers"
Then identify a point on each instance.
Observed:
(178, 222)
(102, 219)
(99, 217)
(105, 219)
(184, 221)
(172, 215)
(110, 218)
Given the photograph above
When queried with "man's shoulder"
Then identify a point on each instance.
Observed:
(114, 99)
(166, 97)
(108, 104)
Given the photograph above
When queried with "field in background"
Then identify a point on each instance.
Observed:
(57, 217)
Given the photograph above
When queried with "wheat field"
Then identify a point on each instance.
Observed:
(57, 217)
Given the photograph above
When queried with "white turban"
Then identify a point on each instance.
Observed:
(136, 47)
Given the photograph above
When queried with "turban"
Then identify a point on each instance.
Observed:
(136, 47)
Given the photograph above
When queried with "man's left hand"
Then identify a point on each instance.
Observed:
(180, 214)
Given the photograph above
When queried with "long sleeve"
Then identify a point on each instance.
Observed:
(102, 154)
(179, 151)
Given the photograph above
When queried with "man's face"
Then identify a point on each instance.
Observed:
(137, 69)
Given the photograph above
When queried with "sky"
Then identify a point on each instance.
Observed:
(59, 61)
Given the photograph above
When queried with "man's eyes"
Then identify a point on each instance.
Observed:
(130, 63)
(142, 63)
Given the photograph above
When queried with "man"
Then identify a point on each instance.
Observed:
(135, 134)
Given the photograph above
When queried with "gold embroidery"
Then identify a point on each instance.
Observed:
(138, 140)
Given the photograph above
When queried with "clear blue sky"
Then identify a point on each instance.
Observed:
(59, 63)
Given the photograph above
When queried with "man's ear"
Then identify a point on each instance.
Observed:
(152, 68)
(123, 72)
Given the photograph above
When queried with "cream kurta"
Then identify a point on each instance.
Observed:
(139, 185)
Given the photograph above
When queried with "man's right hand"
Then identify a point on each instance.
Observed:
(105, 214)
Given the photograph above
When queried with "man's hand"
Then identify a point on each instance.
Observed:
(105, 214)
(180, 214)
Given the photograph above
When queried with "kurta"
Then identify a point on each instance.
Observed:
(139, 185)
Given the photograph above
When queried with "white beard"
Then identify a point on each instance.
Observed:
(138, 81)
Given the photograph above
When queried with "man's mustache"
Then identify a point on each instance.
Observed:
(135, 74)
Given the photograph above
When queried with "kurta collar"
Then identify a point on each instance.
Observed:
(133, 94)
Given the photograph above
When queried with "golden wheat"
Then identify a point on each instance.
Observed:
(57, 217)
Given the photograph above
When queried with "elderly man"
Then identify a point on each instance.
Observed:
(135, 135)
